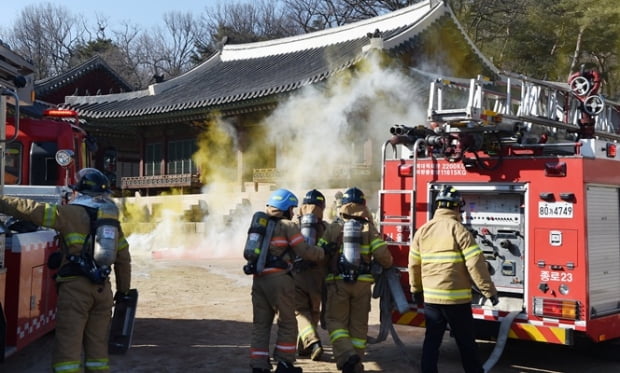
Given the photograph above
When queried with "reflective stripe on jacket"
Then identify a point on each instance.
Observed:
(73, 224)
(445, 261)
(287, 235)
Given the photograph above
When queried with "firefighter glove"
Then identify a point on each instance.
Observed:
(494, 300)
(418, 298)
(330, 248)
(54, 260)
(119, 295)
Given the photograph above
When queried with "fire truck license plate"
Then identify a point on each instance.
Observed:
(555, 210)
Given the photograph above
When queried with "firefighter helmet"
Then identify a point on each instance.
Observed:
(353, 195)
(282, 199)
(314, 197)
(449, 197)
(92, 182)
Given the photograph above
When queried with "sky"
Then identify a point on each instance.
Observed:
(140, 12)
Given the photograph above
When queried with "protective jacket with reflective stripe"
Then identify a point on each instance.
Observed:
(73, 224)
(372, 246)
(445, 261)
(288, 242)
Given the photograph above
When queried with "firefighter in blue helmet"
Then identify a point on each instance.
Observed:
(351, 244)
(84, 291)
(444, 263)
(273, 289)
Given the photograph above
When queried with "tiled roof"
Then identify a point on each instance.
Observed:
(46, 86)
(242, 74)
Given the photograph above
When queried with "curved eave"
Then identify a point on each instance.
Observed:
(243, 75)
(47, 85)
(331, 36)
(189, 115)
(274, 76)
(442, 17)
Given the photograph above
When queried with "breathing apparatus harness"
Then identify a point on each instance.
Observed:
(98, 251)
(310, 226)
(256, 250)
(350, 263)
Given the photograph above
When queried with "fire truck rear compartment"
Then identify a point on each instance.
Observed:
(495, 216)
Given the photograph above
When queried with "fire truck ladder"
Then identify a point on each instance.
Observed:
(519, 110)
(517, 103)
(403, 223)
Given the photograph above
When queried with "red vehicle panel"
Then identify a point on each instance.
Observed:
(41, 158)
(541, 179)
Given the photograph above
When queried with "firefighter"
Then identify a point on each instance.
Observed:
(309, 277)
(351, 245)
(444, 263)
(84, 290)
(273, 290)
(335, 206)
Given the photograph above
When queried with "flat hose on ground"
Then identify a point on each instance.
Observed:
(382, 291)
(502, 337)
(387, 301)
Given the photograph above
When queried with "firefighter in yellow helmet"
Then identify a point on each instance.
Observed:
(273, 287)
(351, 245)
(310, 277)
(444, 262)
(84, 291)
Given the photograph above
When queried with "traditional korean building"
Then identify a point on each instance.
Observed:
(92, 77)
(151, 135)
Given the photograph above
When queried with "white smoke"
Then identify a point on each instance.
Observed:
(325, 128)
(314, 132)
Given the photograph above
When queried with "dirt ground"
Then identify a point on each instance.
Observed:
(194, 315)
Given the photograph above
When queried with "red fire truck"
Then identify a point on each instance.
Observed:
(537, 165)
(39, 160)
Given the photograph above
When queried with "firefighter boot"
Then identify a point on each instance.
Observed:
(263, 370)
(284, 367)
(259, 370)
(301, 351)
(316, 351)
(353, 365)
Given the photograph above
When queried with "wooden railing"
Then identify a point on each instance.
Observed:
(273, 175)
(160, 181)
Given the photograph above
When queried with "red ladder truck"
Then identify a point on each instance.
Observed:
(537, 165)
(38, 160)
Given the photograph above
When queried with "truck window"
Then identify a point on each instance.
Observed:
(43, 167)
(12, 170)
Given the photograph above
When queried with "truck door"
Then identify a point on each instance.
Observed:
(603, 249)
(43, 166)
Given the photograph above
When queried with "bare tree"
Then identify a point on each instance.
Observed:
(134, 54)
(167, 52)
(313, 15)
(247, 22)
(184, 30)
(47, 34)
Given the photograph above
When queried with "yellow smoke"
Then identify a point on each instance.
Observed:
(320, 132)
(138, 217)
(216, 155)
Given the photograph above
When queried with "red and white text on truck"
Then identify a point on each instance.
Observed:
(537, 164)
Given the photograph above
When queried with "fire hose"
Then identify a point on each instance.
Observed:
(390, 293)
(502, 337)
(388, 289)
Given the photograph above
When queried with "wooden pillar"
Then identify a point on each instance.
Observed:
(141, 143)
(164, 154)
